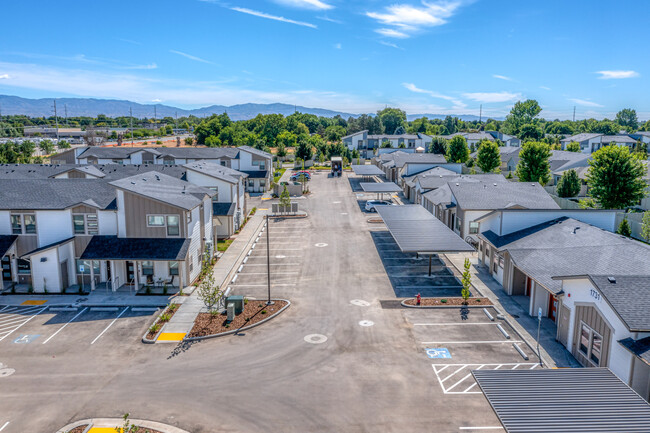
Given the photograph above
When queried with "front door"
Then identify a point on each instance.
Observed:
(552, 307)
(529, 283)
(6, 269)
(130, 273)
(108, 270)
(64, 275)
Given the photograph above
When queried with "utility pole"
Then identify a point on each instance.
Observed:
(574, 113)
(480, 114)
(65, 108)
(131, 123)
(56, 122)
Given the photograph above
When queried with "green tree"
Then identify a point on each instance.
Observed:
(386, 144)
(334, 133)
(530, 131)
(281, 150)
(189, 141)
(212, 141)
(488, 158)
(624, 228)
(286, 139)
(521, 114)
(615, 177)
(569, 184)
(627, 118)
(209, 292)
(533, 163)
(63, 144)
(285, 198)
(46, 146)
(304, 150)
(467, 281)
(457, 150)
(573, 147)
(645, 226)
(127, 427)
(438, 145)
(392, 118)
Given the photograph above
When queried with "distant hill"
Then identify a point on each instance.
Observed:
(466, 117)
(113, 108)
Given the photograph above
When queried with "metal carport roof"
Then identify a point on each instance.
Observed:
(417, 231)
(576, 400)
(380, 187)
(367, 170)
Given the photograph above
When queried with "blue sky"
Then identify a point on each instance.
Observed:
(347, 55)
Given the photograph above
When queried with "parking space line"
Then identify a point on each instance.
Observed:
(6, 306)
(264, 285)
(8, 333)
(4, 425)
(453, 323)
(458, 383)
(273, 264)
(61, 328)
(273, 272)
(472, 342)
(448, 386)
(480, 428)
(109, 325)
(461, 367)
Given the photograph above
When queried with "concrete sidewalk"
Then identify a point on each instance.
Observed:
(96, 298)
(553, 353)
(181, 323)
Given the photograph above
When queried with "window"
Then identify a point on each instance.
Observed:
(16, 225)
(497, 261)
(155, 220)
(591, 344)
(223, 163)
(173, 268)
(473, 228)
(459, 223)
(24, 266)
(91, 223)
(215, 197)
(173, 228)
(79, 224)
(262, 183)
(251, 183)
(30, 224)
(83, 266)
(147, 268)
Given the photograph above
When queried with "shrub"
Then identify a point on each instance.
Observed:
(164, 317)
(154, 328)
(264, 311)
(444, 301)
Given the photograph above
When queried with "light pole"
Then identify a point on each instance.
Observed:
(268, 262)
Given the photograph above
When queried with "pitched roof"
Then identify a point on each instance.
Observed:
(501, 195)
(640, 348)
(113, 152)
(255, 151)
(418, 158)
(114, 248)
(215, 170)
(223, 209)
(629, 296)
(353, 134)
(49, 194)
(198, 152)
(431, 182)
(621, 138)
(47, 247)
(439, 195)
(562, 160)
(6, 241)
(580, 137)
(164, 188)
(256, 174)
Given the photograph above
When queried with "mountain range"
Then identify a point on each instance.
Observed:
(113, 108)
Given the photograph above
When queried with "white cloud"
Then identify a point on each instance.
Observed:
(585, 103)
(490, 97)
(544, 88)
(388, 44)
(149, 66)
(392, 33)
(4, 77)
(306, 4)
(272, 17)
(413, 88)
(157, 100)
(338, 46)
(502, 77)
(191, 57)
(616, 75)
(328, 19)
(411, 19)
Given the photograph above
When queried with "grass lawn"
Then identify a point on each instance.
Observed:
(223, 244)
(281, 171)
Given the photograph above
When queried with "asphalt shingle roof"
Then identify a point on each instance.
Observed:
(629, 296)
(580, 137)
(640, 348)
(114, 248)
(501, 195)
(55, 193)
(418, 158)
(6, 241)
(432, 181)
(216, 170)
(223, 209)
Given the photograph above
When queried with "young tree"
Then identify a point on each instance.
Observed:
(438, 146)
(615, 177)
(46, 146)
(209, 292)
(458, 150)
(573, 147)
(488, 157)
(533, 163)
(285, 199)
(63, 144)
(624, 228)
(569, 184)
(645, 226)
(467, 281)
(127, 427)
(189, 141)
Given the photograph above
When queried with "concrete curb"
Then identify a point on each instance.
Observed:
(245, 328)
(145, 340)
(404, 304)
(288, 216)
(117, 422)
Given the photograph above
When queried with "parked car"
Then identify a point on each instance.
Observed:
(371, 204)
(296, 176)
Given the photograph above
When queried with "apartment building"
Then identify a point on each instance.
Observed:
(367, 144)
(473, 138)
(591, 142)
(398, 164)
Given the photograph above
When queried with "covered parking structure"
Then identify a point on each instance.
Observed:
(563, 400)
(367, 171)
(380, 188)
(415, 230)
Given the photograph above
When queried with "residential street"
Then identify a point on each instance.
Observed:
(364, 377)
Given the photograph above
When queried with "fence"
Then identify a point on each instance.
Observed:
(635, 221)
(278, 209)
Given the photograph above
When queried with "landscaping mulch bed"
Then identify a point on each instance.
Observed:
(78, 429)
(170, 310)
(254, 311)
(427, 302)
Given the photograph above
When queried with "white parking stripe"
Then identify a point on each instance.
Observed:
(4, 425)
(454, 323)
(109, 325)
(457, 383)
(27, 320)
(472, 342)
(6, 306)
(480, 428)
(461, 367)
(61, 328)
(272, 273)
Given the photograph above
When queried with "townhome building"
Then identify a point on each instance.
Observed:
(398, 165)
(591, 142)
(87, 233)
(473, 138)
(367, 144)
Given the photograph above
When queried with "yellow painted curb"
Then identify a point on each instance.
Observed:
(264, 208)
(171, 336)
(266, 198)
(34, 302)
(102, 430)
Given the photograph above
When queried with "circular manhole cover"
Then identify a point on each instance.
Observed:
(315, 338)
(320, 245)
(359, 302)
(366, 323)
(4, 372)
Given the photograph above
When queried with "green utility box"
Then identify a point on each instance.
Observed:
(238, 301)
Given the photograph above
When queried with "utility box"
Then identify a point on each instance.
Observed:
(230, 311)
(238, 301)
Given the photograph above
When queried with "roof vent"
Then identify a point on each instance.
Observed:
(132, 183)
(575, 230)
(495, 184)
(612, 280)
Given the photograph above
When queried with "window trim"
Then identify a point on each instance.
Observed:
(86, 226)
(590, 343)
(23, 226)
(20, 224)
(178, 218)
(177, 268)
(164, 220)
(474, 230)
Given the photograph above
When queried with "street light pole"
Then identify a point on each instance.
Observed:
(268, 262)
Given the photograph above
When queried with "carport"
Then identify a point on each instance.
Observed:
(367, 171)
(380, 188)
(563, 400)
(417, 231)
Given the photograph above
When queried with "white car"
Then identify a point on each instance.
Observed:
(370, 204)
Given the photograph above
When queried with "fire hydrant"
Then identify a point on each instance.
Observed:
(417, 299)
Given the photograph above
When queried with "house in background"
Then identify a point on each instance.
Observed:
(366, 143)
(473, 138)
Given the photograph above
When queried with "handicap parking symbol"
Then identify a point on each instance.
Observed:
(24, 339)
(438, 353)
